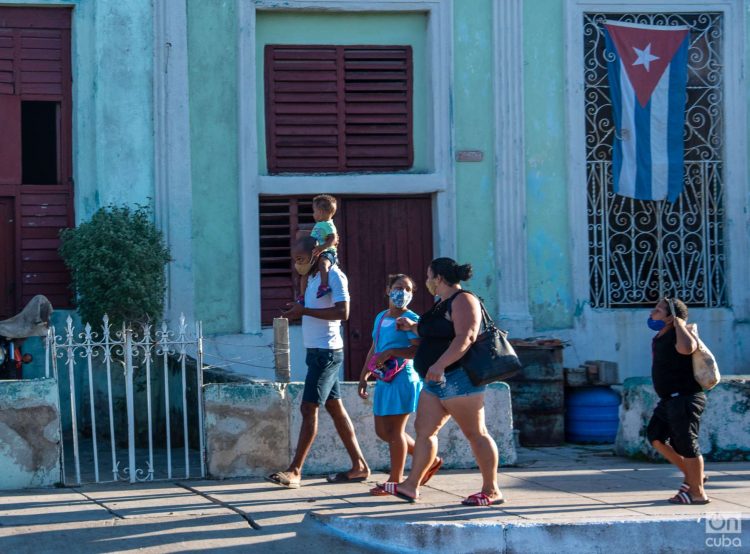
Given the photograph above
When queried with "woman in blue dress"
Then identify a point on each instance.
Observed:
(395, 400)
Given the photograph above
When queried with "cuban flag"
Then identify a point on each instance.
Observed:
(647, 70)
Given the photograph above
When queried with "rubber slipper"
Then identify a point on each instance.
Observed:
(378, 491)
(342, 477)
(481, 499)
(436, 465)
(392, 489)
(683, 497)
(282, 478)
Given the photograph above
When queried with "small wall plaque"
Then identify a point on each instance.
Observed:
(469, 156)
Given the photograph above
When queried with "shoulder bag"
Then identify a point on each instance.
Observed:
(390, 368)
(491, 358)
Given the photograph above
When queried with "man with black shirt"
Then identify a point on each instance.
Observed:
(673, 429)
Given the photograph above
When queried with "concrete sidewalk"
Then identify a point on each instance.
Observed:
(569, 499)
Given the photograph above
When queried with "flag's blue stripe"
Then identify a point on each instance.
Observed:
(613, 70)
(643, 151)
(676, 119)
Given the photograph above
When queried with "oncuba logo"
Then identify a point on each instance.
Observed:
(723, 530)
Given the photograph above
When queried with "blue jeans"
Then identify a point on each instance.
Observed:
(457, 383)
(322, 380)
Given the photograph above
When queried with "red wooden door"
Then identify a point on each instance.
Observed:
(380, 236)
(7, 266)
(36, 149)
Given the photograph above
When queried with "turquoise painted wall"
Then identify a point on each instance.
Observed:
(367, 28)
(113, 133)
(473, 119)
(549, 259)
(212, 73)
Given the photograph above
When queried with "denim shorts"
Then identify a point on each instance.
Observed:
(322, 380)
(331, 256)
(457, 383)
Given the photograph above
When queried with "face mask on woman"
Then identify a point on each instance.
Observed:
(400, 297)
(431, 286)
(655, 324)
(303, 268)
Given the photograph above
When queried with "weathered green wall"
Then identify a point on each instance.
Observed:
(549, 261)
(212, 73)
(473, 120)
(353, 28)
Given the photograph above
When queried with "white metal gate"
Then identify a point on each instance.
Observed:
(142, 386)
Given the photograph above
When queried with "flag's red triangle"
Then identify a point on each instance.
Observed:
(657, 46)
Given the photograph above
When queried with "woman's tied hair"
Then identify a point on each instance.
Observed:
(448, 269)
(325, 202)
(680, 308)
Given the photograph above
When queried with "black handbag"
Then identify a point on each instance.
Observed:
(491, 358)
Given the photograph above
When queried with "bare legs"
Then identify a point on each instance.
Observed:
(432, 414)
(468, 412)
(309, 430)
(692, 468)
(392, 430)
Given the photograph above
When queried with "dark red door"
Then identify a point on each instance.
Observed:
(7, 266)
(36, 150)
(380, 236)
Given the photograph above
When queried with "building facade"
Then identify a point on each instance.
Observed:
(477, 129)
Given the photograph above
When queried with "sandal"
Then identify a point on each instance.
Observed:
(392, 489)
(282, 478)
(377, 490)
(481, 499)
(683, 497)
(343, 477)
(436, 465)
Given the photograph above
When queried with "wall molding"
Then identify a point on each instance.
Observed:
(439, 182)
(510, 175)
(172, 165)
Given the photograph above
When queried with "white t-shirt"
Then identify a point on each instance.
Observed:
(321, 333)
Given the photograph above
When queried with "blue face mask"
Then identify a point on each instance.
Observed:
(400, 298)
(656, 324)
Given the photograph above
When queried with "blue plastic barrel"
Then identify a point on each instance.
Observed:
(591, 415)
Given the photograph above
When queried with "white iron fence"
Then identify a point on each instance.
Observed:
(109, 379)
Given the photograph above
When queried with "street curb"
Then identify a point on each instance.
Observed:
(685, 535)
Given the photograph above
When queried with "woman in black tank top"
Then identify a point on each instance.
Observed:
(446, 332)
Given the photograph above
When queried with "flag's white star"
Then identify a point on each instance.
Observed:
(645, 57)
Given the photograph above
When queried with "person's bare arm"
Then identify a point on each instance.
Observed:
(685, 343)
(338, 312)
(364, 374)
(331, 240)
(467, 318)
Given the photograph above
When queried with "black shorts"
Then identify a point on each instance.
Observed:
(677, 420)
(322, 380)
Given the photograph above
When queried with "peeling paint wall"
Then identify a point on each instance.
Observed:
(212, 74)
(473, 127)
(29, 434)
(549, 263)
(725, 425)
(252, 430)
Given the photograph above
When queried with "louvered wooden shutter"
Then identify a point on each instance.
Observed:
(280, 219)
(35, 66)
(337, 109)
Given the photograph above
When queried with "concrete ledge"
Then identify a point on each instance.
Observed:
(252, 429)
(725, 426)
(686, 534)
(29, 434)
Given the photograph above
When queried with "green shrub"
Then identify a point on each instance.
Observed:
(117, 261)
